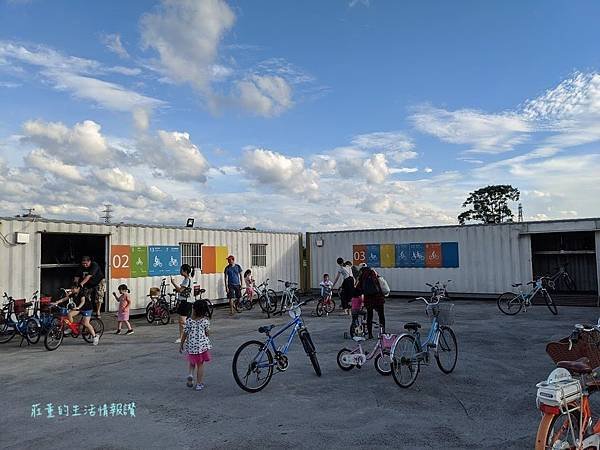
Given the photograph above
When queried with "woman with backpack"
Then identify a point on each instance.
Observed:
(374, 298)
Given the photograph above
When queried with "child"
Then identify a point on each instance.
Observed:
(123, 314)
(249, 281)
(79, 303)
(184, 296)
(326, 286)
(196, 342)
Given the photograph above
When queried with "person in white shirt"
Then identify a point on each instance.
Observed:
(344, 271)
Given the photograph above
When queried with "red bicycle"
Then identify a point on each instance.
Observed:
(61, 323)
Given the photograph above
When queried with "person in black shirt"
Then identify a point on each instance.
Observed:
(91, 279)
(79, 303)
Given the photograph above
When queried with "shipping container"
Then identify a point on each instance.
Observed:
(481, 260)
(41, 254)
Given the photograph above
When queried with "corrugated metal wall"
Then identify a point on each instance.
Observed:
(492, 257)
(20, 264)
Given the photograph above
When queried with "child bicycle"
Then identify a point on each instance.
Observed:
(510, 303)
(326, 304)
(288, 296)
(157, 311)
(267, 298)
(254, 361)
(349, 359)
(409, 352)
(56, 333)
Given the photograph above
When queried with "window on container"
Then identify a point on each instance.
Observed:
(258, 253)
(191, 253)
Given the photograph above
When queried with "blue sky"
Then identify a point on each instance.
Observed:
(314, 115)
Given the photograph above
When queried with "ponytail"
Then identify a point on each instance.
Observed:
(192, 271)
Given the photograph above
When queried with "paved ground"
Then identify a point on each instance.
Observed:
(488, 402)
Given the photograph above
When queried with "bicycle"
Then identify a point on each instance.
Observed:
(168, 300)
(157, 311)
(408, 352)
(510, 303)
(348, 359)
(244, 303)
(54, 337)
(288, 296)
(25, 326)
(198, 296)
(41, 312)
(267, 298)
(567, 420)
(326, 304)
(439, 289)
(257, 360)
(561, 275)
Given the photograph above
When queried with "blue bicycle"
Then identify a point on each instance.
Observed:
(25, 326)
(409, 352)
(255, 361)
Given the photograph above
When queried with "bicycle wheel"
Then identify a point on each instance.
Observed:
(165, 316)
(320, 310)
(550, 303)
(7, 331)
(210, 307)
(98, 327)
(341, 364)
(252, 366)
(446, 352)
(405, 364)
(273, 299)
(150, 316)
(510, 303)
(55, 336)
(329, 306)
(237, 305)
(554, 431)
(383, 363)
(569, 283)
(310, 350)
(33, 331)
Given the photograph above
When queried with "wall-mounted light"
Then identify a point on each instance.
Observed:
(190, 223)
(319, 242)
(22, 238)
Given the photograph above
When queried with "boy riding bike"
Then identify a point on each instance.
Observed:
(80, 304)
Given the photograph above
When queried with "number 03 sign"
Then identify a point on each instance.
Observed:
(120, 261)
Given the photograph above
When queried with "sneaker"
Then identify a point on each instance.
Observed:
(118, 332)
(190, 381)
(178, 341)
(96, 339)
(129, 332)
(200, 386)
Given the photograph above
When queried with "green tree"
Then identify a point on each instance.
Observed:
(489, 204)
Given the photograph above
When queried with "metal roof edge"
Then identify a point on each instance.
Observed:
(596, 219)
(117, 225)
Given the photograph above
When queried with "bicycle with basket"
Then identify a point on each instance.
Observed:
(25, 325)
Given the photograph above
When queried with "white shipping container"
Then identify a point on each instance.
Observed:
(22, 269)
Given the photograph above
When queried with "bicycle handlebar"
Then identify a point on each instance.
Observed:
(426, 301)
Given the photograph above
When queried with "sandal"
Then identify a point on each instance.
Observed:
(190, 381)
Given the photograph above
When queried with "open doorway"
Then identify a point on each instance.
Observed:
(569, 258)
(61, 257)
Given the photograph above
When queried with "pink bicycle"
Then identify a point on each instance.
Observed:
(349, 359)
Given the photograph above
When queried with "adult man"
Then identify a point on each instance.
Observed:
(233, 281)
(91, 279)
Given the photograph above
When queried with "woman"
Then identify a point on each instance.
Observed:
(368, 285)
(184, 296)
(344, 271)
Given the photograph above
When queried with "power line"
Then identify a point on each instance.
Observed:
(108, 210)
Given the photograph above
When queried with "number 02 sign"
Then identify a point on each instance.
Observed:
(120, 261)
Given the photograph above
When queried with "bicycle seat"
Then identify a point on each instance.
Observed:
(266, 329)
(359, 338)
(412, 326)
(517, 284)
(27, 305)
(580, 366)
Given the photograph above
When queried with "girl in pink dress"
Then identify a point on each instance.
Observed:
(123, 313)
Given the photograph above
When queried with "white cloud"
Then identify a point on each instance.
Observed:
(186, 35)
(265, 96)
(484, 133)
(388, 141)
(129, 71)
(116, 178)
(427, 170)
(155, 193)
(9, 84)
(40, 160)
(81, 145)
(277, 170)
(114, 44)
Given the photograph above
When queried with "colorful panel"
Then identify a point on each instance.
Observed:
(402, 255)
(359, 254)
(139, 262)
(221, 254)
(173, 257)
(433, 255)
(388, 255)
(209, 263)
(450, 254)
(374, 255)
(120, 261)
(417, 255)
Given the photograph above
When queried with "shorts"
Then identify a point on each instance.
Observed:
(184, 308)
(234, 292)
(200, 358)
(86, 312)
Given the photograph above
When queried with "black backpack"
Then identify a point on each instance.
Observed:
(369, 284)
